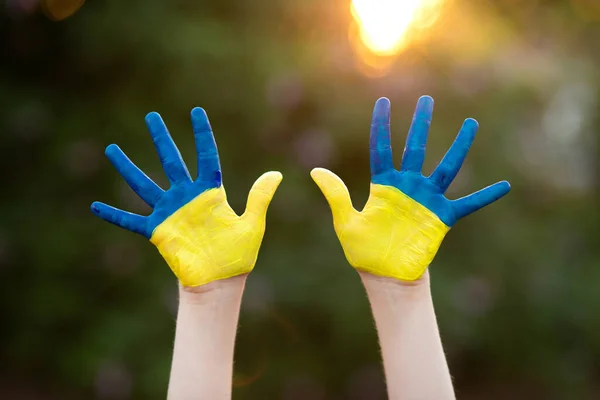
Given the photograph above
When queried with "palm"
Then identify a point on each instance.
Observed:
(422, 189)
(208, 232)
(173, 199)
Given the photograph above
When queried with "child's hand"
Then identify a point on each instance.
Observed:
(407, 215)
(192, 225)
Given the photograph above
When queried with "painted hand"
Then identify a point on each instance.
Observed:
(401, 227)
(192, 225)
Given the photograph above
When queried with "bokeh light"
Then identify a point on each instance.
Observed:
(384, 25)
(58, 10)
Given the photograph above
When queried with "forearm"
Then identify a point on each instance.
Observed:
(204, 340)
(413, 357)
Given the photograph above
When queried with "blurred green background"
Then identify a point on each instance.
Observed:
(88, 310)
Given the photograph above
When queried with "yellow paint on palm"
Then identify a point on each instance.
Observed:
(393, 236)
(403, 239)
(205, 240)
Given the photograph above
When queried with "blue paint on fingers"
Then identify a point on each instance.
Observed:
(182, 190)
(428, 191)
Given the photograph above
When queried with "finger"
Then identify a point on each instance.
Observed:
(335, 191)
(416, 141)
(447, 170)
(380, 141)
(149, 191)
(126, 220)
(209, 168)
(170, 157)
(262, 193)
(480, 199)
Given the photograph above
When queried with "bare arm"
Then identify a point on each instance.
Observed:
(206, 244)
(413, 357)
(204, 340)
(394, 239)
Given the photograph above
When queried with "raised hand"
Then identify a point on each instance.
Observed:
(401, 227)
(192, 225)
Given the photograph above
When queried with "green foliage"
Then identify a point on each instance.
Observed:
(88, 310)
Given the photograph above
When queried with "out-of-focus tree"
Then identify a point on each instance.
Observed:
(88, 310)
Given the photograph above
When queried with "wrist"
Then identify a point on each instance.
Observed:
(222, 290)
(379, 284)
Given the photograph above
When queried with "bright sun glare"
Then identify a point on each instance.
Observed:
(384, 23)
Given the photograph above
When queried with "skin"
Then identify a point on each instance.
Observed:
(413, 358)
(207, 245)
(207, 318)
(202, 367)
(392, 241)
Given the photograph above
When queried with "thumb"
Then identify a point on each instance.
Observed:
(262, 192)
(336, 193)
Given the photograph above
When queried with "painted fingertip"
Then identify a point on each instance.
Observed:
(382, 107)
(274, 175)
(382, 102)
(95, 207)
(314, 173)
(198, 112)
(153, 118)
(322, 176)
(425, 103)
(501, 189)
(381, 111)
(471, 123)
(111, 150)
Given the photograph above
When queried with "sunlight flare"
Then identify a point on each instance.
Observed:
(384, 24)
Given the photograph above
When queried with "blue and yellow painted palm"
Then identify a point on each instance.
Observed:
(407, 215)
(192, 225)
